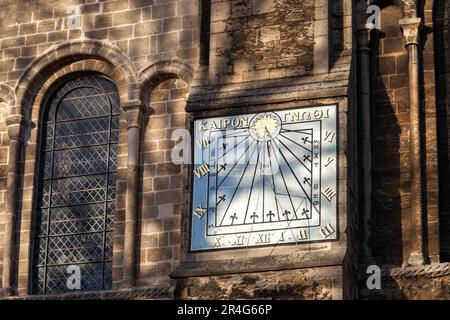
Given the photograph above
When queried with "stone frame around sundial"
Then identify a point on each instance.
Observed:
(320, 124)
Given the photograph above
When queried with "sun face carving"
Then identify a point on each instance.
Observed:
(265, 126)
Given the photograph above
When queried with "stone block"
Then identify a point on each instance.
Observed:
(172, 24)
(147, 28)
(139, 47)
(263, 6)
(28, 28)
(113, 6)
(46, 26)
(164, 11)
(159, 254)
(167, 42)
(393, 45)
(187, 7)
(118, 33)
(220, 11)
(126, 17)
(58, 36)
(139, 3)
(103, 21)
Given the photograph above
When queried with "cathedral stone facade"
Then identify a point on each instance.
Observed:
(115, 114)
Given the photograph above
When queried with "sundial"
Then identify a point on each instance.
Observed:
(267, 178)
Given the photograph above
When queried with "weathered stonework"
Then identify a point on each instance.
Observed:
(313, 284)
(278, 39)
(174, 61)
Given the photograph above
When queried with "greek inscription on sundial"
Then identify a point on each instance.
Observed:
(266, 178)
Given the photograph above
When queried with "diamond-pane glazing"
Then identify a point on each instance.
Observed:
(75, 205)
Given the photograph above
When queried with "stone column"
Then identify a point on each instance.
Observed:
(363, 37)
(321, 36)
(133, 111)
(410, 28)
(16, 124)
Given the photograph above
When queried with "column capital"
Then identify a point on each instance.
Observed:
(363, 38)
(16, 124)
(411, 27)
(133, 113)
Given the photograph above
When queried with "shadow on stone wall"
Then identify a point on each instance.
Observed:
(386, 101)
(337, 31)
(441, 34)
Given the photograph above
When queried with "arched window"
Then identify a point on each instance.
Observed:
(76, 187)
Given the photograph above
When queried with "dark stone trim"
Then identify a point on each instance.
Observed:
(127, 294)
(264, 92)
(259, 264)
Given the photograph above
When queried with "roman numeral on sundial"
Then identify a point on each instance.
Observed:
(263, 238)
(329, 193)
(204, 143)
(302, 235)
(327, 231)
(329, 161)
(202, 170)
(239, 241)
(217, 243)
(329, 136)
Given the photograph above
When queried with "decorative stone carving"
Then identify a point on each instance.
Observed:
(16, 124)
(411, 29)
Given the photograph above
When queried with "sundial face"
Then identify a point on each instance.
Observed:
(267, 178)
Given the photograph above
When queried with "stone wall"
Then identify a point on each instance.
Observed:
(442, 105)
(163, 185)
(144, 30)
(390, 140)
(4, 142)
(261, 39)
(289, 45)
(303, 284)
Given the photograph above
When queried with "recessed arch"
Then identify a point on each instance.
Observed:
(409, 7)
(7, 94)
(76, 182)
(34, 112)
(153, 74)
(57, 57)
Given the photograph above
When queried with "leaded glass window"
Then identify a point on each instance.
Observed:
(76, 191)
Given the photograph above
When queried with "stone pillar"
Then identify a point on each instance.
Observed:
(410, 28)
(133, 112)
(16, 124)
(363, 37)
(321, 36)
